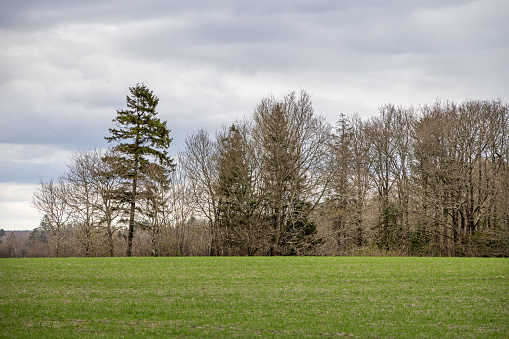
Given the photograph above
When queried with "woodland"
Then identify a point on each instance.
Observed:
(431, 180)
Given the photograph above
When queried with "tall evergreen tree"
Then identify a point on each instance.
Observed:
(142, 139)
(293, 146)
(237, 201)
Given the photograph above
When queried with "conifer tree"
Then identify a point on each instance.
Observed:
(142, 139)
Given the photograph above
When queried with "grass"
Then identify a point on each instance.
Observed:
(252, 297)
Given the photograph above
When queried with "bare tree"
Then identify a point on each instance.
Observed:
(403, 124)
(340, 197)
(346, 204)
(293, 143)
(382, 157)
(180, 235)
(360, 175)
(82, 197)
(50, 199)
(155, 205)
(460, 155)
(201, 172)
(109, 187)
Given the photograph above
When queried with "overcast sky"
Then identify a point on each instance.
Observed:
(66, 66)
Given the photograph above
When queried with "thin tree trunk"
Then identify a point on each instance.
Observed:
(130, 233)
(110, 240)
(278, 233)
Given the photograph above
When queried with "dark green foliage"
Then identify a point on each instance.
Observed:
(41, 233)
(389, 230)
(237, 230)
(300, 235)
(490, 243)
(139, 134)
(420, 242)
(141, 140)
(234, 180)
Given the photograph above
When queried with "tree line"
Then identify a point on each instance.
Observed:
(432, 180)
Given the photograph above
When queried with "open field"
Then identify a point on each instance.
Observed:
(251, 297)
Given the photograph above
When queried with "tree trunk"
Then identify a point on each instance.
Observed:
(130, 233)
(109, 234)
(277, 234)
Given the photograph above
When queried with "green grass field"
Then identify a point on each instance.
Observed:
(252, 297)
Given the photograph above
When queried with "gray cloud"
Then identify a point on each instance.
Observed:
(66, 66)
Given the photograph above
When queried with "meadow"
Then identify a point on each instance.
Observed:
(358, 297)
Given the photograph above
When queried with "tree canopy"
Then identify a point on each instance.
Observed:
(429, 180)
(141, 138)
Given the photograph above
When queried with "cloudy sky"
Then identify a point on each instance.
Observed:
(66, 66)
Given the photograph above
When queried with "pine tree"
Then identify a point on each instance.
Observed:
(142, 139)
(237, 202)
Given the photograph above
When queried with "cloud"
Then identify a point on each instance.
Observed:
(16, 212)
(18, 216)
(66, 66)
(30, 162)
